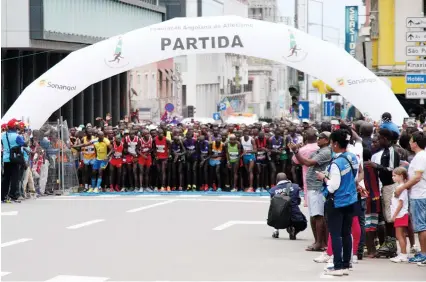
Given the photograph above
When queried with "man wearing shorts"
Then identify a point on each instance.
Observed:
(233, 151)
(249, 151)
(318, 161)
(145, 160)
(116, 164)
(89, 156)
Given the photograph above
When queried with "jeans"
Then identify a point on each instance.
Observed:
(10, 181)
(339, 222)
(361, 218)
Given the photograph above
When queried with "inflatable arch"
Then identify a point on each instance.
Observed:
(224, 34)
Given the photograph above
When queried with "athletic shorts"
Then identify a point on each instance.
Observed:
(128, 159)
(214, 162)
(401, 221)
(261, 161)
(316, 203)
(418, 214)
(248, 158)
(89, 162)
(145, 162)
(98, 164)
(116, 162)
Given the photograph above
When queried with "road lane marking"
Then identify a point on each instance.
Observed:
(10, 213)
(4, 273)
(87, 223)
(151, 206)
(70, 278)
(237, 222)
(11, 243)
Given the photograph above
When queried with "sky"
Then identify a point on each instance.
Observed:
(334, 15)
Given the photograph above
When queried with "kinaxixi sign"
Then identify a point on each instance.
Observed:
(205, 35)
(351, 29)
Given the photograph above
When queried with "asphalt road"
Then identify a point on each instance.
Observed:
(162, 238)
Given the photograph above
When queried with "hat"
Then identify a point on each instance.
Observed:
(4, 126)
(12, 123)
(324, 134)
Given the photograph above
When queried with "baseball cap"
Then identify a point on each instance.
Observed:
(12, 123)
(324, 134)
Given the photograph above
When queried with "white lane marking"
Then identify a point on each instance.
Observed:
(236, 222)
(80, 225)
(145, 198)
(4, 273)
(230, 197)
(189, 196)
(10, 213)
(70, 278)
(11, 243)
(150, 206)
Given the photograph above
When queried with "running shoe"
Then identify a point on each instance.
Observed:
(323, 258)
(334, 272)
(258, 190)
(123, 189)
(354, 259)
(181, 189)
(399, 258)
(234, 190)
(149, 190)
(423, 263)
(419, 257)
(162, 189)
(219, 190)
(168, 189)
(414, 249)
(188, 188)
(90, 190)
(250, 190)
(96, 190)
(194, 187)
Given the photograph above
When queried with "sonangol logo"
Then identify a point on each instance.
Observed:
(50, 84)
(340, 82)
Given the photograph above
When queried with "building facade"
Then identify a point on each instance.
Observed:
(37, 34)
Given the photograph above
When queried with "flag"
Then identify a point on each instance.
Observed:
(229, 110)
(164, 116)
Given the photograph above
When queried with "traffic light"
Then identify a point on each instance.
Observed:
(295, 94)
(191, 111)
(300, 76)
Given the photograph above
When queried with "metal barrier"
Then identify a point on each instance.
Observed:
(62, 167)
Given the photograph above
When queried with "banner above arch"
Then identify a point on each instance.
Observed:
(224, 34)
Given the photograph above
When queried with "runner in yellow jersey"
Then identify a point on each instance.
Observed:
(89, 156)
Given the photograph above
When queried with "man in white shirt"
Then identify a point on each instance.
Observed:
(417, 186)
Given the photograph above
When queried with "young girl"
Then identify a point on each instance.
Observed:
(399, 211)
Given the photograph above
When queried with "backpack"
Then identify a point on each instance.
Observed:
(279, 215)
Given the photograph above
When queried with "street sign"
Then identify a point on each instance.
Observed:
(415, 65)
(415, 22)
(169, 107)
(416, 36)
(415, 93)
(216, 116)
(329, 109)
(303, 109)
(415, 50)
(415, 78)
(222, 106)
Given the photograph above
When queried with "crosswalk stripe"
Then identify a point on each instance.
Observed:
(70, 278)
(10, 213)
(4, 273)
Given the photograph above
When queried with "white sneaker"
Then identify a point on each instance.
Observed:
(345, 271)
(414, 249)
(399, 258)
(355, 259)
(323, 258)
(330, 260)
(333, 272)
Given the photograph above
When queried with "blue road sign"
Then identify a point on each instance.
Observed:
(216, 116)
(303, 109)
(329, 109)
(169, 107)
(222, 106)
(415, 78)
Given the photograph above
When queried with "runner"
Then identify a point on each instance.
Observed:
(161, 152)
(145, 160)
(233, 154)
(249, 149)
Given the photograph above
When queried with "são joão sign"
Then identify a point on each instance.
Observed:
(351, 29)
(193, 43)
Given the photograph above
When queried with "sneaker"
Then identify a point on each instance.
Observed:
(162, 189)
(188, 188)
(141, 190)
(399, 258)
(219, 190)
(276, 234)
(354, 259)
(234, 190)
(96, 190)
(345, 271)
(330, 260)
(6, 201)
(90, 190)
(155, 189)
(123, 189)
(210, 189)
(414, 249)
(417, 258)
(258, 190)
(334, 272)
(323, 258)
(423, 263)
(250, 190)
(168, 189)
(292, 232)
(149, 190)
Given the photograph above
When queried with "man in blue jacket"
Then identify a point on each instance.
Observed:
(10, 177)
(298, 219)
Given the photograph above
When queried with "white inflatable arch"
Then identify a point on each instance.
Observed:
(225, 34)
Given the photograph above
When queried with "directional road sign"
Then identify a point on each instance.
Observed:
(216, 116)
(416, 36)
(415, 50)
(415, 65)
(415, 22)
(222, 106)
(415, 78)
(415, 93)
(303, 109)
(329, 109)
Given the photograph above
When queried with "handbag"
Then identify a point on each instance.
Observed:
(16, 154)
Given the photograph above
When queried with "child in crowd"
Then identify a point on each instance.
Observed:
(399, 211)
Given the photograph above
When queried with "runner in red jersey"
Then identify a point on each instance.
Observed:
(116, 162)
(131, 157)
(161, 152)
(145, 160)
